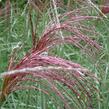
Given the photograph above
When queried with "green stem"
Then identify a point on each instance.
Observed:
(2, 98)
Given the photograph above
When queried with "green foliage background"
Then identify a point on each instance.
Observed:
(17, 31)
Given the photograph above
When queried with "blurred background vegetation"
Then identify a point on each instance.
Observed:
(15, 31)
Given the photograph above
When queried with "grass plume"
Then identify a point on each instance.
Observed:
(35, 65)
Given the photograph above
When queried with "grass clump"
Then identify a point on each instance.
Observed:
(41, 67)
